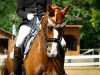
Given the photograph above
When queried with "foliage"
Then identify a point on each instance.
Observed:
(82, 12)
(8, 15)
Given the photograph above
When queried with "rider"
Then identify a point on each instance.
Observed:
(26, 9)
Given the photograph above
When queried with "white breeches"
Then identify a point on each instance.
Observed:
(23, 33)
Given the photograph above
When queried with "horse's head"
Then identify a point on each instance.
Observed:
(55, 28)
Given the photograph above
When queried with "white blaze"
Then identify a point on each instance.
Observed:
(54, 45)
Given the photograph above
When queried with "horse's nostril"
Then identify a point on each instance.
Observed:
(48, 49)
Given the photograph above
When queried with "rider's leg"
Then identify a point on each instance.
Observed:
(23, 32)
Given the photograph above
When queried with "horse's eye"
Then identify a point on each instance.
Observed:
(50, 28)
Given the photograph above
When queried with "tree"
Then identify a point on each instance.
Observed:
(86, 13)
(8, 15)
(90, 33)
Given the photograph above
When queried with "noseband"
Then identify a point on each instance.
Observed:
(57, 40)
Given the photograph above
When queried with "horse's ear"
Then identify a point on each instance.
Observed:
(65, 10)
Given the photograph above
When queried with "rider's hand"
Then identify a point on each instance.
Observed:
(30, 16)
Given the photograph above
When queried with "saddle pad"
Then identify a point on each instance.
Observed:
(28, 43)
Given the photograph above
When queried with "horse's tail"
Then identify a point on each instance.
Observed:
(4, 70)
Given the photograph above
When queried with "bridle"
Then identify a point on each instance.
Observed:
(56, 40)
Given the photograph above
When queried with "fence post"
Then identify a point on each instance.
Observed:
(14, 30)
(99, 58)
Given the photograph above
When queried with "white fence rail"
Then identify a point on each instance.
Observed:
(82, 63)
(86, 51)
(82, 57)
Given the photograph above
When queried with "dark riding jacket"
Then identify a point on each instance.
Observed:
(37, 7)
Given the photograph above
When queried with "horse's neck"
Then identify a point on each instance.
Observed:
(43, 31)
(44, 23)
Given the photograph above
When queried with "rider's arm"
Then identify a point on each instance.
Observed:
(48, 2)
(21, 9)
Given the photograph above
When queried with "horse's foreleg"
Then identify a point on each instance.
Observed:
(4, 71)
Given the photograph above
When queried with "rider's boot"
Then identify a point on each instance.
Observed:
(17, 61)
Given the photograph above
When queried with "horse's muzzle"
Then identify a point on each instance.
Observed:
(51, 53)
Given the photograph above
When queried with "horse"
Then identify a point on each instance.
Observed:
(46, 55)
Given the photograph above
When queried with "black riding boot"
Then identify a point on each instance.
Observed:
(17, 61)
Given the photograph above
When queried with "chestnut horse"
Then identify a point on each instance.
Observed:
(46, 56)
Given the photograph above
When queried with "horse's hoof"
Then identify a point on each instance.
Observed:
(12, 73)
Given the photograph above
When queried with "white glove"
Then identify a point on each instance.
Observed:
(63, 42)
(30, 16)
